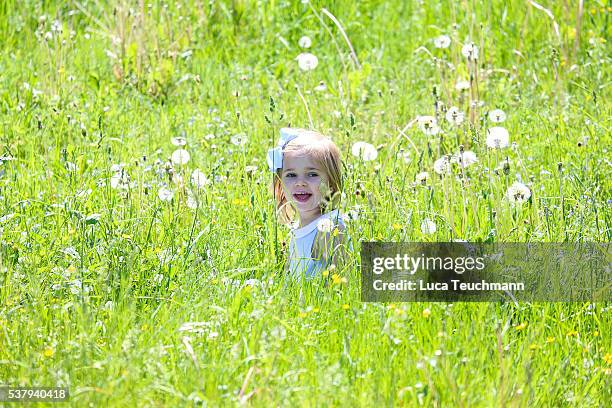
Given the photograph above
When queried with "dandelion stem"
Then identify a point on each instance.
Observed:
(297, 88)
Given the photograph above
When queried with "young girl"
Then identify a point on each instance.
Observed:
(307, 187)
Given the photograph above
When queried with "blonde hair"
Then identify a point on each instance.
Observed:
(325, 153)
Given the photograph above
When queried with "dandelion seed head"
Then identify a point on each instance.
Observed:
(365, 151)
(428, 227)
(497, 137)
(462, 85)
(470, 51)
(305, 42)
(165, 194)
(239, 139)
(422, 177)
(178, 141)
(442, 41)
(180, 157)
(518, 193)
(428, 125)
(325, 225)
(465, 159)
(199, 179)
(497, 116)
(442, 165)
(307, 61)
(454, 115)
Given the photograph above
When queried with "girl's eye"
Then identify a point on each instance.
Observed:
(313, 174)
(289, 175)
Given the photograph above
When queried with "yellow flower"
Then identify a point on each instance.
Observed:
(550, 339)
(239, 201)
(534, 347)
(303, 314)
(572, 333)
(345, 306)
(596, 334)
(608, 358)
(316, 310)
(520, 327)
(337, 279)
(396, 226)
(325, 274)
(48, 352)
(426, 313)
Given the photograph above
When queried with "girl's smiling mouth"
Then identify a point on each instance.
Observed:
(302, 197)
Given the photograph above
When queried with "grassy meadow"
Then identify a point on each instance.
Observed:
(141, 262)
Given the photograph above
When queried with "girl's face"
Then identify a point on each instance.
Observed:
(302, 179)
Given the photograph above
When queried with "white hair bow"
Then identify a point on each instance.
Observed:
(275, 156)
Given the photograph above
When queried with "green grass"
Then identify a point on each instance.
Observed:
(122, 85)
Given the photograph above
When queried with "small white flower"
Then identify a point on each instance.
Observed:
(518, 193)
(199, 179)
(497, 137)
(454, 116)
(179, 141)
(120, 180)
(422, 177)
(406, 156)
(180, 156)
(209, 136)
(428, 227)
(305, 42)
(442, 41)
(497, 116)
(462, 85)
(239, 139)
(365, 151)
(325, 225)
(470, 51)
(465, 159)
(442, 165)
(191, 202)
(307, 61)
(428, 125)
(165, 194)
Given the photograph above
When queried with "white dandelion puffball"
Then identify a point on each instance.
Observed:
(180, 156)
(365, 151)
(178, 141)
(199, 179)
(428, 125)
(428, 227)
(518, 193)
(442, 165)
(497, 116)
(470, 50)
(307, 61)
(442, 41)
(422, 177)
(239, 139)
(165, 194)
(455, 116)
(465, 159)
(325, 225)
(497, 137)
(191, 202)
(305, 42)
(462, 85)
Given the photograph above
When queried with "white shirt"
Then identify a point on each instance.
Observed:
(300, 248)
